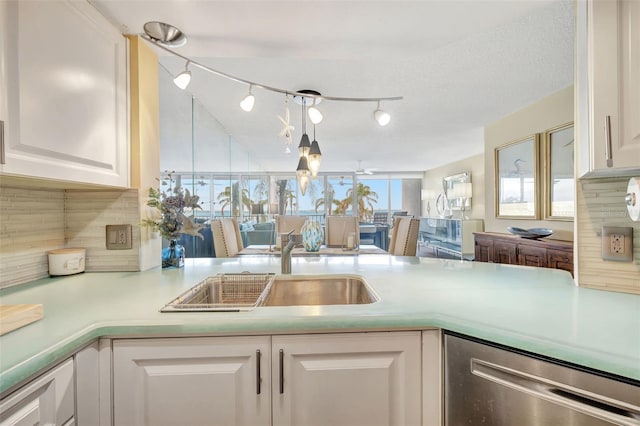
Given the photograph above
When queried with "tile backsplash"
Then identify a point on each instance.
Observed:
(601, 201)
(31, 223)
(34, 221)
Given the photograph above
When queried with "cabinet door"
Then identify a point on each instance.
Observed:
(483, 249)
(505, 252)
(66, 73)
(560, 259)
(192, 381)
(609, 74)
(347, 379)
(48, 400)
(532, 256)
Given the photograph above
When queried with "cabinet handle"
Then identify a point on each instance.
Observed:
(258, 378)
(607, 137)
(2, 160)
(281, 371)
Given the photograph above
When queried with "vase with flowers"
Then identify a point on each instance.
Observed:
(174, 216)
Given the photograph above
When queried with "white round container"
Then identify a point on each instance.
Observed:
(66, 261)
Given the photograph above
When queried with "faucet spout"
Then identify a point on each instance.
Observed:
(288, 242)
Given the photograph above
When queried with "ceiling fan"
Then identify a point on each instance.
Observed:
(361, 171)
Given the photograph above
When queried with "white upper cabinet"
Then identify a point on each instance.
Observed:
(608, 87)
(64, 69)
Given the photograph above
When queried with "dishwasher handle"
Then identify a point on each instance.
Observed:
(580, 400)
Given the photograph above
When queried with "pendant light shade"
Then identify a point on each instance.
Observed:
(304, 146)
(248, 101)
(315, 157)
(183, 79)
(302, 172)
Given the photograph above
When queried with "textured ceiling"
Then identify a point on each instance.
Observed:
(458, 64)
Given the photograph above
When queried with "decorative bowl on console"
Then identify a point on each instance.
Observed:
(532, 233)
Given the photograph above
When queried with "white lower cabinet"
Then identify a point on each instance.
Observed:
(348, 379)
(192, 381)
(322, 379)
(47, 400)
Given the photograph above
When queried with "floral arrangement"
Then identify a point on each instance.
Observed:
(171, 204)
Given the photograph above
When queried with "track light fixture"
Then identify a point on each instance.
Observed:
(382, 117)
(164, 36)
(248, 101)
(183, 79)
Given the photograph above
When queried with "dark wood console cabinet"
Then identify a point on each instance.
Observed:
(514, 250)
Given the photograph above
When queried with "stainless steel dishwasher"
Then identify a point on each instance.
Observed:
(490, 385)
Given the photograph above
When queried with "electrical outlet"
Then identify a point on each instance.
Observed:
(118, 237)
(617, 243)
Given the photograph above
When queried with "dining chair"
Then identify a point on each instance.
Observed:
(227, 241)
(404, 239)
(338, 228)
(285, 223)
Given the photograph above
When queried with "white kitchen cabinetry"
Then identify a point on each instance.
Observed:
(192, 381)
(608, 87)
(47, 400)
(65, 70)
(321, 379)
(347, 379)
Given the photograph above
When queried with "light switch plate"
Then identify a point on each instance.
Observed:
(118, 237)
(617, 243)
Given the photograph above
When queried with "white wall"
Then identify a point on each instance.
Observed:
(433, 181)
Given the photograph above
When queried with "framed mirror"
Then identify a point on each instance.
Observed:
(516, 179)
(452, 186)
(559, 182)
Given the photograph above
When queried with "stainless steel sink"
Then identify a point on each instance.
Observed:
(291, 290)
(222, 292)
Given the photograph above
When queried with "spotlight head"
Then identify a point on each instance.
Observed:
(247, 103)
(382, 117)
(183, 79)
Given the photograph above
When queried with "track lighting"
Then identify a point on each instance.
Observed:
(183, 79)
(382, 117)
(248, 101)
(314, 113)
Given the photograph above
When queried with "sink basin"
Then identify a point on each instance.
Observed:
(222, 292)
(290, 290)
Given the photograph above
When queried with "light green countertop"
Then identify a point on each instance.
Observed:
(534, 309)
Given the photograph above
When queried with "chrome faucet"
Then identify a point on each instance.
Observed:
(288, 241)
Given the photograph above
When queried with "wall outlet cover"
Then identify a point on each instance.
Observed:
(118, 237)
(617, 243)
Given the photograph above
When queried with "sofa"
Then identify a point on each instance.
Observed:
(258, 233)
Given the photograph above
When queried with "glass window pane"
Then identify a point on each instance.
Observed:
(372, 196)
(340, 195)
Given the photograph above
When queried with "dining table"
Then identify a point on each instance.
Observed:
(324, 251)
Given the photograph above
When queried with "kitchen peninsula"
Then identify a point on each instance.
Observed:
(537, 310)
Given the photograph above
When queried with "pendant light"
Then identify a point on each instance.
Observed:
(305, 144)
(315, 156)
(302, 173)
